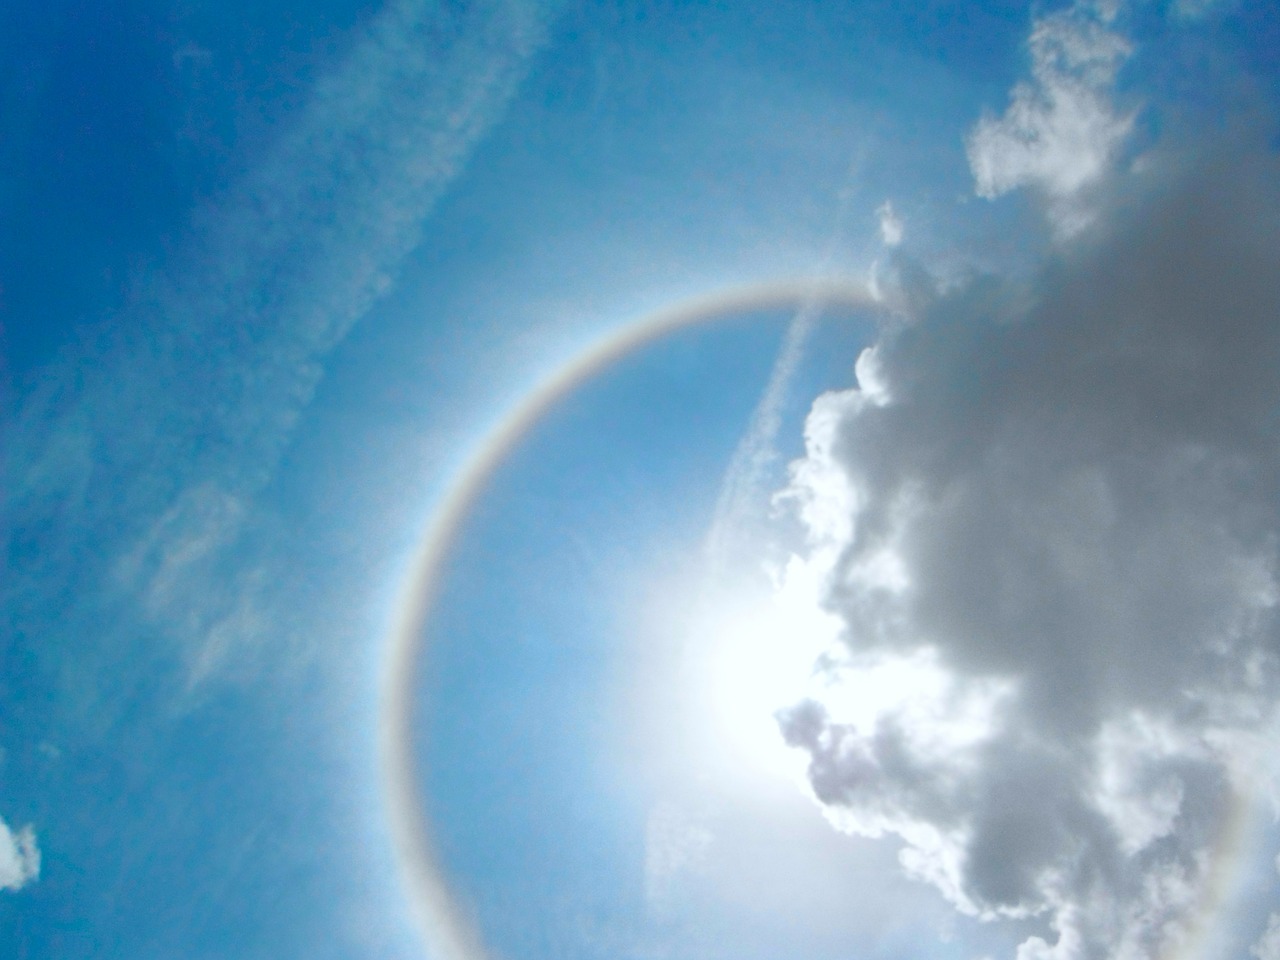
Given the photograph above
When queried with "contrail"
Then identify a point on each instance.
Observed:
(748, 472)
(757, 451)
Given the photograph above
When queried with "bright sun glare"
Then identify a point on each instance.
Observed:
(761, 646)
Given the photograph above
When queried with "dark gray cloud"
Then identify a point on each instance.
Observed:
(1063, 496)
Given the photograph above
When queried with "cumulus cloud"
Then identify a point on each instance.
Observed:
(19, 857)
(1061, 129)
(1048, 520)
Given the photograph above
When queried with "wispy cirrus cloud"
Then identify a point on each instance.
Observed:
(153, 448)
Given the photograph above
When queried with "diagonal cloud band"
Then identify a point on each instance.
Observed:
(151, 447)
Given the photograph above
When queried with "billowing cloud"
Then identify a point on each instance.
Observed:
(1048, 521)
(1060, 130)
(19, 857)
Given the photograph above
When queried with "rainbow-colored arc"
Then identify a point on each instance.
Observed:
(447, 934)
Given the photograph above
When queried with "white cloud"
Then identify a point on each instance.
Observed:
(891, 225)
(19, 857)
(1048, 519)
(1061, 130)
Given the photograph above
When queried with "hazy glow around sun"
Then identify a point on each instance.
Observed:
(770, 645)
(762, 645)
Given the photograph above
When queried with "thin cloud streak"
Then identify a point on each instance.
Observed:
(165, 436)
(743, 490)
(748, 471)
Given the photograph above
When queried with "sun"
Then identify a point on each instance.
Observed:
(759, 639)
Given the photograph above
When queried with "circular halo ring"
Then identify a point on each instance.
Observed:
(447, 934)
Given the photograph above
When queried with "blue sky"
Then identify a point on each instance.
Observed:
(269, 275)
